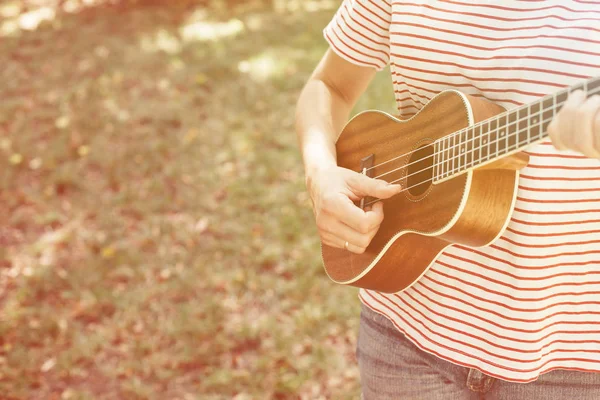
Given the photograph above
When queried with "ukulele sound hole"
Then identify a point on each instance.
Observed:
(419, 172)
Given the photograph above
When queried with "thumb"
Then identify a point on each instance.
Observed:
(361, 185)
(375, 213)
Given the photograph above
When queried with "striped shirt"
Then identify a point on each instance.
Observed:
(530, 302)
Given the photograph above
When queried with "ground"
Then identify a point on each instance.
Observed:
(156, 238)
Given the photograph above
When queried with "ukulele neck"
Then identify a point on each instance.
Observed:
(502, 135)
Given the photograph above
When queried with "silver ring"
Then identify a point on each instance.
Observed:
(346, 245)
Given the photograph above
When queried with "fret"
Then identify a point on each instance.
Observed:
(462, 161)
(547, 112)
(469, 134)
(493, 138)
(453, 151)
(482, 142)
(556, 104)
(560, 99)
(593, 84)
(436, 165)
(451, 140)
(502, 138)
(512, 130)
(534, 121)
(441, 159)
(488, 140)
(528, 123)
(503, 134)
(476, 153)
(443, 156)
(448, 141)
(522, 136)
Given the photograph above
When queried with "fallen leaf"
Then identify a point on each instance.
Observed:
(16, 159)
(48, 365)
(62, 122)
(108, 252)
(201, 79)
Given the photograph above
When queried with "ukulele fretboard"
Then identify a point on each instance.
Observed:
(502, 135)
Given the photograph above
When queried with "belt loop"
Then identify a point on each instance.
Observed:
(477, 381)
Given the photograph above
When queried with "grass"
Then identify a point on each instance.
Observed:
(156, 240)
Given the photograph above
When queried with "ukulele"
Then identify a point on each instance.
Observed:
(457, 160)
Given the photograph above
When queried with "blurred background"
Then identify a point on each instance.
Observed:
(156, 238)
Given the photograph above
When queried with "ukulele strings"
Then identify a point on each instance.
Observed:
(481, 123)
(458, 156)
(425, 169)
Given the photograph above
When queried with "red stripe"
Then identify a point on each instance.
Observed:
(556, 190)
(520, 58)
(509, 285)
(529, 311)
(561, 223)
(584, 211)
(532, 257)
(437, 39)
(368, 56)
(486, 90)
(478, 68)
(386, 12)
(503, 303)
(572, 168)
(500, 336)
(525, 199)
(473, 4)
(543, 246)
(361, 44)
(351, 16)
(496, 100)
(525, 267)
(456, 351)
(557, 155)
(408, 98)
(488, 27)
(503, 80)
(348, 55)
(507, 295)
(413, 94)
(385, 45)
(496, 39)
(558, 178)
(496, 17)
(384, 28)
(517, 277)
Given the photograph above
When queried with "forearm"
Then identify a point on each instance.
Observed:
(320, 116)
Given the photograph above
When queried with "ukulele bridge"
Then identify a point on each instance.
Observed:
(365, 165)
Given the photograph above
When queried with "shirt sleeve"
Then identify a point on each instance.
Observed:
(360, 32)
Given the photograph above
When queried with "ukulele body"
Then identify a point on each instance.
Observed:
(471, 209)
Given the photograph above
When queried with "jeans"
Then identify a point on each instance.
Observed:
(392, 367)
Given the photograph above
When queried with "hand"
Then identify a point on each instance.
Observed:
(333, 190)
(577, 125)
